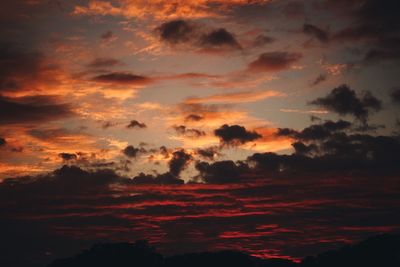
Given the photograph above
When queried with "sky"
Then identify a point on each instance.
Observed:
(268, 126)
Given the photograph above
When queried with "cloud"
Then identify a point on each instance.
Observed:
(32, 109)
(240, 97)
(218, 39)
(226, 214)
(123, 78)
(262, 40)
(193, 117)
(221, 171)
(316, 32)
(179, 162)
(136, 124)
(294, 10)
(321, 78)
(235, 135)
(68, 156)
(3, 141)
(345, 101)
(132, 152)
(108, 36)
(316, 131)
(208, 153)
(378, 249)
(274, 61)
(108, 124)
(373, 24)
(198, 36)
(176, 31)
(161, 10)
(182, 130)
(24, 69)
(395, 95)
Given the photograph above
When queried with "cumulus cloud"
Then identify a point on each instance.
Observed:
(221, 171)
(344, 101)
(204, 39)
(219, 38)
(208, 153)
(136, 124)
(180, 160)
(132, 152)
(316, 131)
(182, 130)
(68, 156)
(235, 134)
(176, 31)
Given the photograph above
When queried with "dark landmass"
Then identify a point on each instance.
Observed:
(378, 251)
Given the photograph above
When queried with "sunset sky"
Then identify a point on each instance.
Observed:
(269, 126)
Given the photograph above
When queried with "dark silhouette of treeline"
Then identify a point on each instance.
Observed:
(378, 251)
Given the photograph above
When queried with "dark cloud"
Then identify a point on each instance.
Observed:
(316, 131)
(122, 78)
(136, 124)
(159, 179)
(32, 109)
(176, 31)
(378, 250)
(384, 50)
(104, 63)
(395, 95)
(274, 61)
(21, 68)
(303, 149)
(316, 32)
(191, 133)
(219, 38)
(375, 25)
(262, 40)
(294, 10)
(208, 153)
(108, 124)
(193, 117)
(235, 134)
(345, 101)
(107, 36)
(321, 78)
(221, 171)
(74, 203)
(164, 151)
(68, 156)
(197, 35)
(180, 160)
(334, 152)
(132, 152)
(3, 141)
(64, 181)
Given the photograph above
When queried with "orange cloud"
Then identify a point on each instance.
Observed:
(240, 97)
(161, 9)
